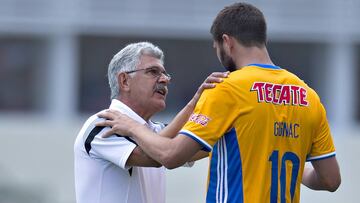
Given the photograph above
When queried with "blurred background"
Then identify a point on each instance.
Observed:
(53, 65)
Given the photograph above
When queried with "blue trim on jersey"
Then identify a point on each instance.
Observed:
(225, 182)
(223, 172)
(205, 147)
(268, 66)
(211, 193)
(235, 179)
(321, 158)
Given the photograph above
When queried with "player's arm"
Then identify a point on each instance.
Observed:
(139, 158)
(169, 152)
(180, 119)
(324, 175)
(199, 155)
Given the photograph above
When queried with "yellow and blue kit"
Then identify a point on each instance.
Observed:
(261, 124)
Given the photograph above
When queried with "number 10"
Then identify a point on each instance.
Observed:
(274, 159)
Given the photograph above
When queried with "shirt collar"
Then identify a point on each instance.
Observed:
(268, 66)
(123, 108)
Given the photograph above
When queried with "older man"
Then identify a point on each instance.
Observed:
(116, 169)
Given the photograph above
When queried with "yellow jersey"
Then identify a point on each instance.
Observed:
(261, 124)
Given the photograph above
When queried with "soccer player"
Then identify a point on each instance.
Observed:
(116, 169)
(261, 124)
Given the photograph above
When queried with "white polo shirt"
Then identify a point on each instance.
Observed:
(100, 172)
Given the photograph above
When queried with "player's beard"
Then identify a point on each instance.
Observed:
(227, 61)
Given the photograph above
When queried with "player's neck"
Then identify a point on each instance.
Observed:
(252, 55)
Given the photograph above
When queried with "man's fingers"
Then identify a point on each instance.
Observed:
(112, 112)
(104, 114)
(208, 85)
(101, 124)
(211, 79)
(216, 77)
(104, 123)
(107, 133)
(108, 114)
(220, 74)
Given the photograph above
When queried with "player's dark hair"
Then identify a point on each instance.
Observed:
(243, 21)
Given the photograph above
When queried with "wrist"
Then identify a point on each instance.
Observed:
(137, 129)
(134, 129)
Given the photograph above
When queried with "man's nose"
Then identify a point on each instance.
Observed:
(164, 78)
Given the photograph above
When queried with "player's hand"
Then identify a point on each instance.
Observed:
(210, 82)
(119, 123)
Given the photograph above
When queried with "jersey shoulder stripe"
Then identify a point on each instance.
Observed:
(324, 156)
(206, 146)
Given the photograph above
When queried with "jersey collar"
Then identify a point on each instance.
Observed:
(123, 108)
(268, 66)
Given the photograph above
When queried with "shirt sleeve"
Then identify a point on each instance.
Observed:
(214, 115)
(114, 149)
(322, 145)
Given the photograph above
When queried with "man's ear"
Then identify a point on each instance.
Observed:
(228, 43)
(124, 81)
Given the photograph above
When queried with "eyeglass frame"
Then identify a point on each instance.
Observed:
(167, 75)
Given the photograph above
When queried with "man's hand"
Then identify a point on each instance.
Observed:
(210, 82)
(120, 123)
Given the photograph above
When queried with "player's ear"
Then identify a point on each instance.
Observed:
(228, 43)
(124, 81)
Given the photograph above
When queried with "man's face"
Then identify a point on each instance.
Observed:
(224, 59)
(148, 91)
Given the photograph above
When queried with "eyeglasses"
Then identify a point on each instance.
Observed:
(155, 72)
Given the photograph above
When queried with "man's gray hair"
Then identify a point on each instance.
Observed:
(127, 59)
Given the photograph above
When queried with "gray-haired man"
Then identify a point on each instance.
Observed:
(115, 169)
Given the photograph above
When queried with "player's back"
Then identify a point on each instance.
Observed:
(261, 124)
(278, 116)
